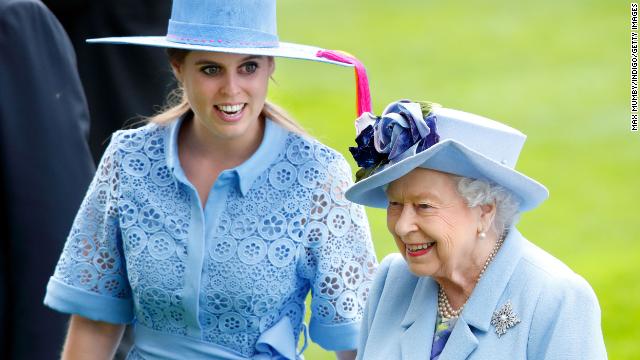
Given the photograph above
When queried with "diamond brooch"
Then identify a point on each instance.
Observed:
(504, 318)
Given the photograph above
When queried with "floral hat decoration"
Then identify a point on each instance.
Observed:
(423, 134)
(386, 139)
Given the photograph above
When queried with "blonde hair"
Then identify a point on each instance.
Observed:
(178, 104)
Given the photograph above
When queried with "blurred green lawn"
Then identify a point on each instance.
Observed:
(556, 70)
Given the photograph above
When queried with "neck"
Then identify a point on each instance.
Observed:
(196, 139)
(458, 284)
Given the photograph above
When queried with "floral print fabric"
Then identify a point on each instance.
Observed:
(265, 248)
(443, 330)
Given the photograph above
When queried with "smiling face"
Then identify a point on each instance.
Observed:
(434, 229)
(225, 91)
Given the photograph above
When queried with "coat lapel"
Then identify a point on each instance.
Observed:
(476, 317)
(486, 296)
(419, 321)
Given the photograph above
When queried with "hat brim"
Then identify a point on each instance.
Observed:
(451, 157)
(286, 50)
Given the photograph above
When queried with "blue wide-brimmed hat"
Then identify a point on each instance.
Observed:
(409, 135)
(231, 26)
(240, 27)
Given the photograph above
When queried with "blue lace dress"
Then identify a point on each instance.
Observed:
(228, 280)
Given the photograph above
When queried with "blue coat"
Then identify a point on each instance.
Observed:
(558, 311)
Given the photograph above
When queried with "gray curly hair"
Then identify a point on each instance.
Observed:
(477, 192)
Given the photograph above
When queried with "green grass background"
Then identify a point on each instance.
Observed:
(556, 70)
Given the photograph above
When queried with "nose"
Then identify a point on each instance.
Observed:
(230, 85)
(406, 222)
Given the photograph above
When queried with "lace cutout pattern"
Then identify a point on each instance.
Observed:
(293, 231)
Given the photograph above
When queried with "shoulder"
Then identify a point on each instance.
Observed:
(22, 6)
(317, 160)
(132, 140)
(561, 288)
(140, 147)
(145, 131)
(557, 276)
(316, 150)
(14, 14)
(564, 315)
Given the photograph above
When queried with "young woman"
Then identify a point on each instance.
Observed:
(209, 226)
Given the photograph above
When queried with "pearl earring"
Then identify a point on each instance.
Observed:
(482, 235)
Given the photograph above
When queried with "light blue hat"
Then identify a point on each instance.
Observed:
(409, 135)
(230, 26)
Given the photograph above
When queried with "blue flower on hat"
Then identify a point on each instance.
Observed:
(405, 128)
(365, 153)
(402, 126)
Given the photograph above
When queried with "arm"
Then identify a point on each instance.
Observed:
(89, 339)
(340, 245)
(346, 355)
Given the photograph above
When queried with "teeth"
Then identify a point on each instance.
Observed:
(419, 247)
(230, 108)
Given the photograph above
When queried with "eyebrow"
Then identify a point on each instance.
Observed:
(423, 195)
(247, 58)
(427, 195)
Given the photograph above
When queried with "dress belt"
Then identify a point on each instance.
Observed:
(278, 342)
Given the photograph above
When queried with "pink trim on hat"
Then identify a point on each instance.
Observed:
(363, 98)
(204, 41)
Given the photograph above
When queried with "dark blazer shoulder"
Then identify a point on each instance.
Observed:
(33, 8)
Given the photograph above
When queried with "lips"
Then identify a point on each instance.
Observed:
(419, 249)
(230, 112)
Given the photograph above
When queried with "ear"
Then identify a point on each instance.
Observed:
(176, 67)
(487, 214)
(272, 65)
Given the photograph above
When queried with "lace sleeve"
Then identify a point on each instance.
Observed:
(339, 242)
(90, 278)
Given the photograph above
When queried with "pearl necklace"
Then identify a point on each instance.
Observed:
(444, 307)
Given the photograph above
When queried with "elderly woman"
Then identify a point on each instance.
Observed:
(466, 284)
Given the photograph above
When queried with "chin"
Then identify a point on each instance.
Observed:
(419, 269)
(232, 130)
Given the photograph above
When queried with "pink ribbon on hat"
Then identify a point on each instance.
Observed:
(363, 97)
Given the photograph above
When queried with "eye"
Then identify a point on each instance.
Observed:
(210, 70)
(249, 68)
(394, 204)
(424, 206)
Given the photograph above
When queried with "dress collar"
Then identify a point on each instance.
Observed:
(273, 141)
